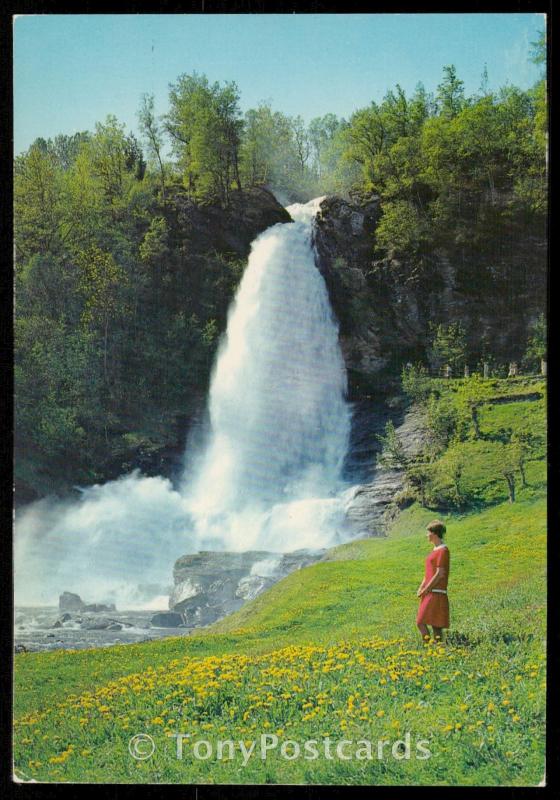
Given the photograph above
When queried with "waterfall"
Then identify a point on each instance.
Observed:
(279, 421)
(268, 476)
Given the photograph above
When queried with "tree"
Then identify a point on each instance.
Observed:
(507, 467)
(366, 138)
(536, 344)
(99, 283)
(205, 124)
(415, 381)
(472, 393)
(538, 50)
(522, 445)
(419, 478)
(301, 142)
(152, 133)
(401, 231)
(38, 208)
(450, 96)
(448, 346)
(322, 132)
(451, 468)
(442, 422)
(393, 454)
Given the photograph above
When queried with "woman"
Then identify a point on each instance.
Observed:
(434, 605)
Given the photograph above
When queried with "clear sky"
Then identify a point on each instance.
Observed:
(72, 70)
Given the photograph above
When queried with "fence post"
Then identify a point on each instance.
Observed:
(467, 372)
(447, 371)
(486, 369)
(543, 366)
(512, 369)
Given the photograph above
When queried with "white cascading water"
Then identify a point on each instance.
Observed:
(269, 475)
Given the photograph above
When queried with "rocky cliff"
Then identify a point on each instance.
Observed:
(384, 307)
(209, 585)
(202, 228)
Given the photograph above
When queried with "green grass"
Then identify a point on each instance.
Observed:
(332, 649)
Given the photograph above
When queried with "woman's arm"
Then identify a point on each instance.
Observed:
(438, 576)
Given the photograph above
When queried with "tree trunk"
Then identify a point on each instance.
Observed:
(105, 349)
(162, 179)
(474, 416)
(524, 483)
(236, 172)
(510, 478)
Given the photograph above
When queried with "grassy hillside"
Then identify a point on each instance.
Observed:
(331, 651)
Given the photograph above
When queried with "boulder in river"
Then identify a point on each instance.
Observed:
(167, 619)
(96, 623)
(68, 601)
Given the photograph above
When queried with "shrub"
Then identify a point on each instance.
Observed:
(416, 382)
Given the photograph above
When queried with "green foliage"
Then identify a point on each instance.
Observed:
(401, 230)
(471, 393)
(442, 421)
(151, 130)
(416, 383)
(448, 346)
(393, 454)
(536, 345)
(154, 246)
(205, 125)
(451, 96)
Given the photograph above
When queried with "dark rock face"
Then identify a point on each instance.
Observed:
(167, 619)
(209, 585)
(384, 307)
(369, 510)
(233, 229)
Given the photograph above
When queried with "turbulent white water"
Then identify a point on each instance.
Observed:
(269, 475)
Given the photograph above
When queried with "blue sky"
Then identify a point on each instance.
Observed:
(70, 71)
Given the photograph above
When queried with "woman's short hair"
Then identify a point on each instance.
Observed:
(437, 527)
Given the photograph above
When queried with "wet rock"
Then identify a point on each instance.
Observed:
(167, 619)
(252, 585)
(68, 601)
(96, 624)
(368, 510)
(210, 585)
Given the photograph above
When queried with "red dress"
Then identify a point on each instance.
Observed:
(434, 606)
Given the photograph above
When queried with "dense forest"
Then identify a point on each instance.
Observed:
(120, 305)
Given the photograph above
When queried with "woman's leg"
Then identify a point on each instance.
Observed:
(425, 633)
(438, 634)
